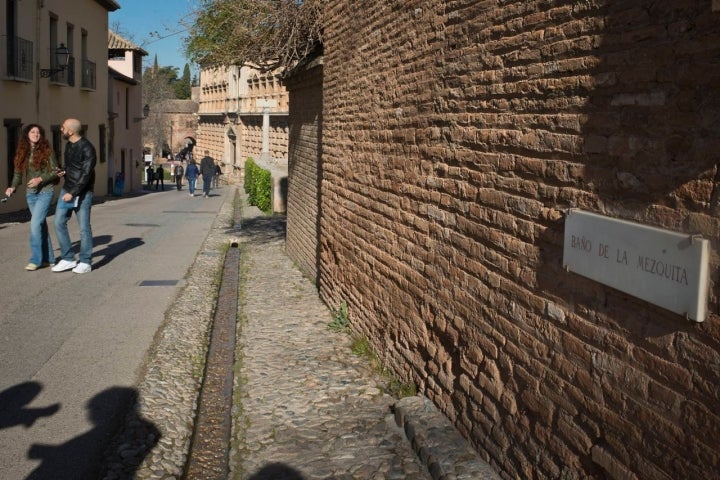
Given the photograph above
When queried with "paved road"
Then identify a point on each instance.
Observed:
(73, 345)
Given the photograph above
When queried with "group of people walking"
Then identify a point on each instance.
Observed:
(208, 169)
(35, 164)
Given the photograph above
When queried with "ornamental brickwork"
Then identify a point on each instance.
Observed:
(230, 120)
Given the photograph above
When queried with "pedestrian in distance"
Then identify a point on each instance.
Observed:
(35, 163)
(150, 174)
(207, 168)
(216, 176)
(160, 177)
(191, 173)
(76, 195)
(179, 176)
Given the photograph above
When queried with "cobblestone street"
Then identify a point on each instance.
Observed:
(305, 406)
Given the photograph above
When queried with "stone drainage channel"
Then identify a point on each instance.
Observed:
(209, 451)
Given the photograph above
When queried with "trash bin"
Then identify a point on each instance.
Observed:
(119, 184)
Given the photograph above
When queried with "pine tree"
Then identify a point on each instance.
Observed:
(183, 86)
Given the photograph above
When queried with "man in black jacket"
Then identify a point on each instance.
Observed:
(207, 168)
(76, 195)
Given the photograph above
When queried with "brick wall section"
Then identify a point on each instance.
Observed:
(304, 167)
(455, 135)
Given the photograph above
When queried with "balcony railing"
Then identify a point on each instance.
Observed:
(87, 80)
(58, 76)
(70, 72)
(19, 58)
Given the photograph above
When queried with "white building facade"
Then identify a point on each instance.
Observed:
(33, 89)
(126, 114)
(234, 105)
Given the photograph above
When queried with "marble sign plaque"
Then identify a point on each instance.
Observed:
(665, 268)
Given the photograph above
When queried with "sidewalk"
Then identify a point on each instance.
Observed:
(310, 408)
(306, 406)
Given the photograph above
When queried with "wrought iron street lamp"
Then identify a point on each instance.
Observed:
(62, 58)
(145, 112)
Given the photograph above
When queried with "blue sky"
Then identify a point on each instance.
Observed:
(157, 27)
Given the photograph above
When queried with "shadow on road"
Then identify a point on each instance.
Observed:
(115, 249)
(13, 411)
(83, 456)
(263, 229)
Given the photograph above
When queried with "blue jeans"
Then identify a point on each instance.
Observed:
(206, 184)
(41, 249)
(62, 215)
(191, 185)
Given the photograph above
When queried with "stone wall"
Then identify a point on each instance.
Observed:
(304, 166)
(211, 137)
(456, 134)
(250, 129)
(247, 143)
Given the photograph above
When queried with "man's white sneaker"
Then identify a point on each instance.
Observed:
(64, 265)
(82, 268)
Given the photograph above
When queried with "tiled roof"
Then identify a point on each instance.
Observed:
(116, 42)
(110, 5)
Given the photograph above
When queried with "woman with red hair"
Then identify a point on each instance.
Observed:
(35, 162)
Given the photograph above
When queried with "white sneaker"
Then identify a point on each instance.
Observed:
(64, 265)
(82, 268)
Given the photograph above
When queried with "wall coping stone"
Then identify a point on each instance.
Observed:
(446, 453)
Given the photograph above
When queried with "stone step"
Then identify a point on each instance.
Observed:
(447, 455)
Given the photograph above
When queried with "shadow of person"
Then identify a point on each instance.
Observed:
(82, 456)
(101, 240)
(12, 405)
(114, 250)
(276, 471)
(264, 229)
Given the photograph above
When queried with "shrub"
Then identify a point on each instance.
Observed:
(248, 182)
(341, 322)
(258, 185)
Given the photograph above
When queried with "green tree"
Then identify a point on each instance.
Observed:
(269, 34)
(170, 74)
(182, 87)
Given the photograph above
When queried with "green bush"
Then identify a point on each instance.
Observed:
(258, 185)
(248, 181)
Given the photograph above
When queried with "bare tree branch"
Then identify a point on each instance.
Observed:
(268, 34)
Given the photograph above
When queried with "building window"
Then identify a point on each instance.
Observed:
(101, 147)
(57, 143)
(87, 78)
(59, 76)
(19, 52)
(13, 130)
(70, 76)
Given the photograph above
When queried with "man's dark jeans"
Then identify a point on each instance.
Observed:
(206, 184)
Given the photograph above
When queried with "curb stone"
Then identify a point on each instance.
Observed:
(445, 452)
